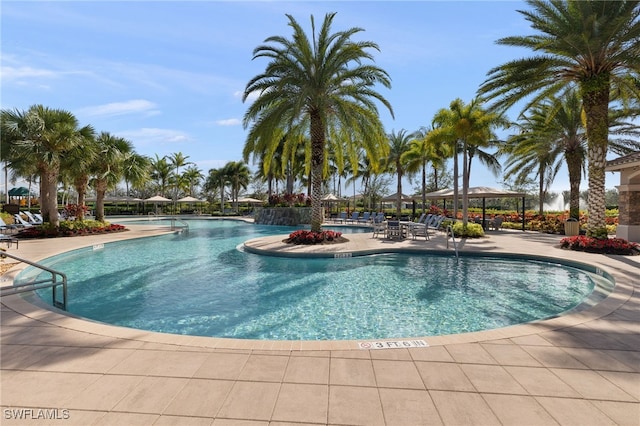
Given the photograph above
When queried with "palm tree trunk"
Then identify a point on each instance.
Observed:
(101, 190)
(317, 162)
(49, 196)
(456, 172)
(399, 192)
(595, 99)
(541, 191)
(424, 187)
(574, 165)
(465, 186)
(81, 187)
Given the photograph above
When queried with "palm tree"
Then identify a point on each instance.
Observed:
(193, 175)
(108, 168)
(177, 160)
(533, 151)
(217, 179)
(239, 175)
(42, 136)
(399, 145)
(161, 173)
(137, 170)
(316, 87)
(594, 45)
(76, 167)
(425, 150)
(467, 127)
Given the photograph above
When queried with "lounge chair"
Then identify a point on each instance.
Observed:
(39, 217)
(8, 240)
(435, 222)
(20, 221)
(32, 219)
(5, 226)
(366, 216)
(394, 230)
(419, 230)
(341, 218)
(354, 217)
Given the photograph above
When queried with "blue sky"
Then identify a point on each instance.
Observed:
(169, 75)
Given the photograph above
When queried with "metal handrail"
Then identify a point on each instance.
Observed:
(173, 225)
(40, 284)
(453, 237)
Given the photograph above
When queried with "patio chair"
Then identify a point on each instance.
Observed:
(394, 230)
(354, 217)
(435, 222)
(496, 223)
(341, 218)
(366, 216)
(379, 227)
(32, 219)
(39, 217)
(420, 230)
(5, 226)
(20, 221)
(8, 240)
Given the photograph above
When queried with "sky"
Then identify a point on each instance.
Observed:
(169, 75)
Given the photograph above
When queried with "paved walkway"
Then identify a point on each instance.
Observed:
(580, 369)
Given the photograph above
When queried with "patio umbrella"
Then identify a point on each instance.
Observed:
(189, 199)
(249, 200)
(157, 199)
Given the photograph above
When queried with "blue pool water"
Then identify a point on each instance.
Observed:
(200, 283)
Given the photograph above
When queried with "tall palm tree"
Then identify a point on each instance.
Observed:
(239, 175)
(109, 166)
(467, 127)
(315, 87)
(161, 173)
(136, 171)
(594, 45)
(217, 179)
(533, 151)
(399, 146)
(177, 160)
(42, 136)
(425, 150)
(76, 167)
(193, 175)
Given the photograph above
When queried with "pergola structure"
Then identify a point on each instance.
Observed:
(483, 192)
(629, 195)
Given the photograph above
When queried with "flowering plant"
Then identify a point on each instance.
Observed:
(600, 245)
(312, 237)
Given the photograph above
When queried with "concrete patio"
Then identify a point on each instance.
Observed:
(578, 369)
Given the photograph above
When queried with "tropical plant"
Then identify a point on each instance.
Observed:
(396, 161)
(467, 128)
(238, 174)
(594, 45)
(37, 140)
(318, 88)
(161, 173)
(108, 168)
(76, 167)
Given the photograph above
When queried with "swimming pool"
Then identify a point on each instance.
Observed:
(200, 283)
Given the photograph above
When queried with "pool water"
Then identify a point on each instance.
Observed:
(200, 283)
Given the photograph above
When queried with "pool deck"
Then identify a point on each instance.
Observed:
(578, 369)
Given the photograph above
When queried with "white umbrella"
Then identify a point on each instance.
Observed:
(189, 200)
(249, 200)
(330, 197)
(157, 199)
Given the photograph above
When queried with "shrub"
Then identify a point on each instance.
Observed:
(472, 230)
(600, 245)
(311, 237)
(69, 228)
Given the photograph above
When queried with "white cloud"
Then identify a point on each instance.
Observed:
(228, 122)
(18, 73)
(134, 106)
(154, 136)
